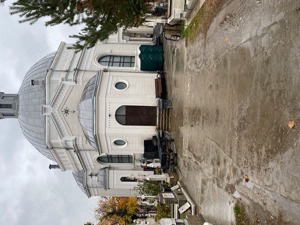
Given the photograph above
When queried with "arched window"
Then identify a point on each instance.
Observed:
(121, 115)
(115, 159)
(117, 61)
(8, 97)
(7, 106)
(8, 114)
(128, 179)
(136, 115)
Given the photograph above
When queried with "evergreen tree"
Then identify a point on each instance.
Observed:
(100, 17)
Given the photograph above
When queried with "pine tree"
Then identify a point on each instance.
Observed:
(100, 17)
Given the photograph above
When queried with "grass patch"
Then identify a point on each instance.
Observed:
(242, 217)
(240, 214)
(202, 19)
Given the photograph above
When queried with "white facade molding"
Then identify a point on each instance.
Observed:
(65, 132)
(47, 110)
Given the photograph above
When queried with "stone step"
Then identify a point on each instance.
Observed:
(164, 120)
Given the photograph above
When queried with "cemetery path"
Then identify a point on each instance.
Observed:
(234, 92)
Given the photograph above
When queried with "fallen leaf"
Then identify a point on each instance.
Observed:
(291, 124)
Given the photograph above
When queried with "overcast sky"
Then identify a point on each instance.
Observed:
(30, 193)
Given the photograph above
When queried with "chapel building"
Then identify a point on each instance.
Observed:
(92, 112)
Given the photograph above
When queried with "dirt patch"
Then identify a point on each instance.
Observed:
(255, 215)
(203, 19)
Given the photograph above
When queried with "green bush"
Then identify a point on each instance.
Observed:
(163, 211)
(241, 217)
(149, 187)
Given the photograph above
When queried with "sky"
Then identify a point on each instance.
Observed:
(30, 193)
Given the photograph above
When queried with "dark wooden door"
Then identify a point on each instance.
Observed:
(141, 115)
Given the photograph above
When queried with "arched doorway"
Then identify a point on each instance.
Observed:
(137, 115)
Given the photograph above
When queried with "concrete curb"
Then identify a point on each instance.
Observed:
(193, 206)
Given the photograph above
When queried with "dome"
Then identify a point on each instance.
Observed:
(79, 178)
(32, 95)
(86, 111)
(101, 177)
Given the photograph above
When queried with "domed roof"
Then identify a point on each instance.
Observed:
(79, 178)
(31, 99)
(86, 111)
(101, 176)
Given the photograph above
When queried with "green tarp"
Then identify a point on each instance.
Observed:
(152, 58)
